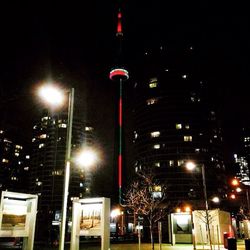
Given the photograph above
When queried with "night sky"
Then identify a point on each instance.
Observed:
(76, 45)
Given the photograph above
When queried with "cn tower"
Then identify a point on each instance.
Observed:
(119, 74)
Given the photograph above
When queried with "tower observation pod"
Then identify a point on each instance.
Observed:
(119, 74)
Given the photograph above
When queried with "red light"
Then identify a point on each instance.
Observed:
(119, 15)
(119, 27)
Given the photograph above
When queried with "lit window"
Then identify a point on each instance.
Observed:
(171, 163)
(155, 134)
(187, 138)
(33, 139)
(157, 164)
(35, 127)
(180, 163)
(62, 125)
(39, 183)
(19, 147)
(1, 131)
(57, 172)
(45, 118)
(41, 145)
(16, 154)
(27, 157)
(26, 168)
(197, 150)
(5, 160)
(19, 163)
(187, 126)
(135, 135)
(247, 139)
(157, 188)
(89, 128)
(157, 146)
(178, 126)
(184, 76)
(13, 178)
(81, 184)
(152, 101)
(6, 140)
(153, 82)
(43, 136)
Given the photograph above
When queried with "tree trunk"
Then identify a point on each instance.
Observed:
(151, 234)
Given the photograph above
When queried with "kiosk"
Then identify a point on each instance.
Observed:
(18, 217)
(91, 217)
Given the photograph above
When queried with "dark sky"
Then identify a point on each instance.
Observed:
(75, 44)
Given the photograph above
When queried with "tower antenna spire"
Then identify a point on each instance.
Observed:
(119, 74)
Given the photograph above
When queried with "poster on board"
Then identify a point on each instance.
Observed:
(90, 221)
(14, 214)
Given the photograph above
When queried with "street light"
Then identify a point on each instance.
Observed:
(190, 166)
(86, 158)
(235, 182)
(55, 96)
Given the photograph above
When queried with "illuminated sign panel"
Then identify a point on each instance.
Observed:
(90, 222)
(18, 217)
(90, 217)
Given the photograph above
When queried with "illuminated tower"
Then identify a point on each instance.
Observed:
(119, 74)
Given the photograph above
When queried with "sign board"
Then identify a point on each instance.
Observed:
(90, 217)
(18, 217)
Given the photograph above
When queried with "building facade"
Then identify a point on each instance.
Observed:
(48, 161)
(175, 122)
(14, 165)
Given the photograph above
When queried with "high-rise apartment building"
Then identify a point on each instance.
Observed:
(48, 160)
(175, 122)
(14, 165)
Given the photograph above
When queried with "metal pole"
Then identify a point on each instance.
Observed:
(247, 194)
(139, 235)
(160, 234)
(193, 232)
(206, 202)
(67, 169)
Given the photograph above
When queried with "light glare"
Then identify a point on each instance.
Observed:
(86, 158)
(52, 95)
(190, 165)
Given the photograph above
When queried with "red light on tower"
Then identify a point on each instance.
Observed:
(119, 25)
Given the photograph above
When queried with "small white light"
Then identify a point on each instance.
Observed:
(216, 199)
(190, 165)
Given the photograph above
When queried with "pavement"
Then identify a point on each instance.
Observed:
(130, 246)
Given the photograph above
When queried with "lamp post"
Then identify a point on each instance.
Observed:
(54, 96)
(235, 182)
(191, 166)
(67, 168)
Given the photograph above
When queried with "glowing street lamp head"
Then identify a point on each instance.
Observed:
(235, 182)
(114, 213)
(86, 158)
(190, 165)
(51, 95)
(216, 199)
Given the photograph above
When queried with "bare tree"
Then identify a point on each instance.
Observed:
(147, 197)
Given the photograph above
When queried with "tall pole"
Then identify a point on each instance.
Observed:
(206, 203)
(67, 168)
(120, 145)
(247, 194)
